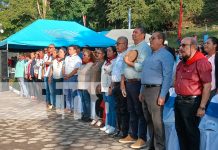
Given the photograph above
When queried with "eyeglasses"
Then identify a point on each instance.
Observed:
(183, 45)
(119, 43)
(98, 53)
(152, 38)
(50, 47)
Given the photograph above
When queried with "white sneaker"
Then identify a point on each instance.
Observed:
(105, 128)
(110, 130)
(99, 123)
(93, 122)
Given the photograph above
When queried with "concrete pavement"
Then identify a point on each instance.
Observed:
(27, 125)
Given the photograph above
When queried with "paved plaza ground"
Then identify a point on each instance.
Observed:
(27, 125)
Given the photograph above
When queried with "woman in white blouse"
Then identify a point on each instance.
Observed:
(106, 70)
(56, 79)
(211, 47)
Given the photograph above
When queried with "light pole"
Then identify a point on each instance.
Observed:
(1, 29)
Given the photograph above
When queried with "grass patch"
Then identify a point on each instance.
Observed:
(199, 31)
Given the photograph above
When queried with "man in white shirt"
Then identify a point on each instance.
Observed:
(47, 62)
(71, 65)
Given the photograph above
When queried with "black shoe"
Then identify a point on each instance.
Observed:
(87, 120)
(118, 134)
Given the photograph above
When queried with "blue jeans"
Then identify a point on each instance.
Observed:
(70, 90)
(57, 89)
(86, 103)
(52, 92)
(47, 90)
(111, 112)
(138, 124)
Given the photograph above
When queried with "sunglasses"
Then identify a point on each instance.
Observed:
(152, 38)
(183, 45)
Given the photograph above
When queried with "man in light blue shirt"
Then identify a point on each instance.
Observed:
(122, 114)
(156, 80)
(131, 89)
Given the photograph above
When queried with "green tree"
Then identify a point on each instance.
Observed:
(69, 9)
(43, 7)
(117, 13)
(153, 14)
(18, 14)
(162, 15)
(97, 15)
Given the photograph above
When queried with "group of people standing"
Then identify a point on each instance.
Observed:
(134, 91)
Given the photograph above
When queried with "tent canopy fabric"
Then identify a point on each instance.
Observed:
(41, 33)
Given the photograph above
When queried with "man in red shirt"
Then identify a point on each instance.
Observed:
(192, 85)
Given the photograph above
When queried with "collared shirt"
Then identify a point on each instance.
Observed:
(158, 69)
(19, 69)
(190, 78)
(212, 60)
(47, 67)
(72, 62)
(57, 69)
(117, 69)
(38, 69)
(106, 70)
(144, 51)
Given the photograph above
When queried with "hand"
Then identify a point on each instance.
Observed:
(122, 86)
(126, 59)
(124, 92)
(200, 112)
(30, 78)
(49, 80)
(66, 77)
(141, 97)
(161, 101)
(110, 91)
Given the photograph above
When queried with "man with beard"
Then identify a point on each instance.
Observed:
(192, 86)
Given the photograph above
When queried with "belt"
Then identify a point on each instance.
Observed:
(151, 85)
(133, 80)
(116, 83)
(186, 97)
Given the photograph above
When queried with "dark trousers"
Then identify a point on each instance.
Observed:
(122, 114)
(154, 116)
(138, 125)
(187, 123)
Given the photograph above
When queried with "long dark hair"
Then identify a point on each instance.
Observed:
(114, 50)
(214, 41)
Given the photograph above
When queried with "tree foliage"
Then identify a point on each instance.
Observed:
(17, 14)
(70, 9)
(117, 13)
(101, 14)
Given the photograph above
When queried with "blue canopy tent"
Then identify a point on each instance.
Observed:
(41, 33)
